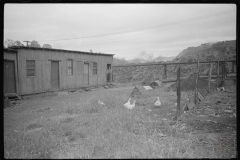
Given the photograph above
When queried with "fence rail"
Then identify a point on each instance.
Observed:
(224, 76)
(133, 65)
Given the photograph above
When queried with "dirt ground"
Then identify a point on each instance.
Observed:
(74, 125)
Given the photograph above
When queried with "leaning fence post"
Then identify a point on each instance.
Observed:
(196, 90)
(178, 95)
(209, 78)
(217, 73)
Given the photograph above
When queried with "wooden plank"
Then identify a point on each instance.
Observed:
(196, 90)
(200, 96)
(178, 95)
(209, 78)
(169, 80)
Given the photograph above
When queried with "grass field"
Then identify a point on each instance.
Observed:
(76, 126)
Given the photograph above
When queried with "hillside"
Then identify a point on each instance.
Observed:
(207, 51)
(214, 51)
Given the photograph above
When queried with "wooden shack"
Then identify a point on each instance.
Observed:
(35, 70)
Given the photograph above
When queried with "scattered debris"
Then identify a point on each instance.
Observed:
(221, 89)
(215, 115)
(228, 111)
(87, 89)
(211, 121)
(62, 93)
(147, 87)
(7, 103)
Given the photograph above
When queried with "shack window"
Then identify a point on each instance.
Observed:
(70, 67)
(30, 68)
(94, 68)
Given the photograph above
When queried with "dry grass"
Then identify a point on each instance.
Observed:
(84, 129)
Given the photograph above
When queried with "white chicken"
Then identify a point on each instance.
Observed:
(128, 103)
(131, 106)
(158, 102)
(101, 103)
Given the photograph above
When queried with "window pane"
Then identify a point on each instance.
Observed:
(69, 71)
(94, 65)
(30, 64)
(69, 63)
(30, 72)
(94, 71)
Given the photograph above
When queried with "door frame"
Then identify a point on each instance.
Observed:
(58, 74)
(88, 64)
(15, 73)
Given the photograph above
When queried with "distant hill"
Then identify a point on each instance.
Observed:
(208, 51)
(119, 61)
(164, 59)
(213, 50)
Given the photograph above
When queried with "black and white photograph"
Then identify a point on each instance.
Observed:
(119, 80)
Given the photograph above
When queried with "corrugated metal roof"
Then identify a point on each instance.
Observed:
(59, 50)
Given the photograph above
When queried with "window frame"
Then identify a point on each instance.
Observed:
(70, 67)
(95, 68)
(34, 68)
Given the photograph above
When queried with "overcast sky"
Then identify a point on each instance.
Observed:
(121, 29)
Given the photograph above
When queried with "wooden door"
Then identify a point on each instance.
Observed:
(9, 77)
(86, 73)
(109, 73)
(54, 75)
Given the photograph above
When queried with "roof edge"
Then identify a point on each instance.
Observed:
(61, 50)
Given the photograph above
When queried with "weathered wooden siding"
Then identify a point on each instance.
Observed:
(42, 80)
(11, 55)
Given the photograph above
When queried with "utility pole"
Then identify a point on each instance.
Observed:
(27, 42)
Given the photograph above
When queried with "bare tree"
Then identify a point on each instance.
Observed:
(18, 43)
(9, 43)
(35, 44)
(46, 46)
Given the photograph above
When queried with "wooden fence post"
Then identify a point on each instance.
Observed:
(196, 89)
(112, 76)
(222, 71)
(225, 70)
(217, 73)
(178, 95)
(165, 71)
(209, 78)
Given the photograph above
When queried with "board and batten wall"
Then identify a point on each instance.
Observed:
(42, 80)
